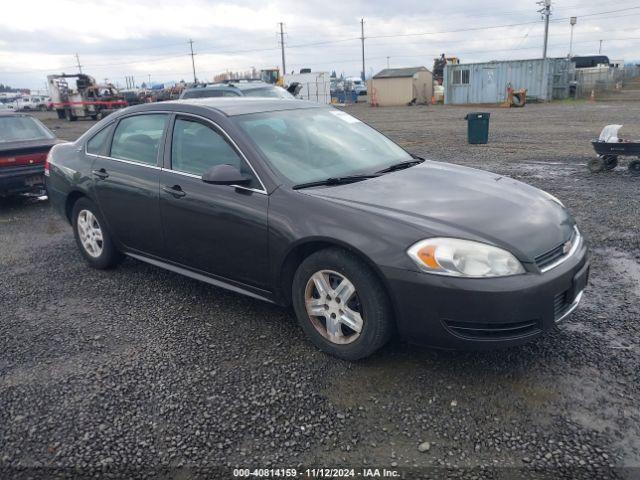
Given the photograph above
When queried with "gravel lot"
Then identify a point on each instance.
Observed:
(138, 371)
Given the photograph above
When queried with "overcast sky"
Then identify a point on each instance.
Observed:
(149, 38)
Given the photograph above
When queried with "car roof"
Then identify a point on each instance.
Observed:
(245, 105)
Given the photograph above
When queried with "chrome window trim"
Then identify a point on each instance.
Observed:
(130, 162)
(232, 142)
(561, 260)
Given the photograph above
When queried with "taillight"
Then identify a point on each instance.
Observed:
(46, 164)
(22, 160)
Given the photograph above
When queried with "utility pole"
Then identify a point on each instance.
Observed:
(284, 65)
(193, 62)
(600, 49)
(362, 39)
(546, 13)
(572, 22)
(78, 61)
(388, 61)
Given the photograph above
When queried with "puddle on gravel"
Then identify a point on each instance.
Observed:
(547, 169)
(624, 265)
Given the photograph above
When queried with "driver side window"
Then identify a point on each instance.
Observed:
(196, 147)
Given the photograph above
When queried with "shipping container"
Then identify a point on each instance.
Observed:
(475, 83)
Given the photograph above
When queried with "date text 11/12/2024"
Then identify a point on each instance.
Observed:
(315, 473)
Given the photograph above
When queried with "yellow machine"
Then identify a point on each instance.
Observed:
(272, 76)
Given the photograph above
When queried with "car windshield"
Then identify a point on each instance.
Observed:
(310, 145)
(15, 128)
(271, 92)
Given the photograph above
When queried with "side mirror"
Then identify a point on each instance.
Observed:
(224, 175)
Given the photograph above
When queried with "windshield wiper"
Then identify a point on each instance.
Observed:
(402, 165)
(334, 181)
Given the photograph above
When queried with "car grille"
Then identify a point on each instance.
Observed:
(549, 258)
(561, 304)
(490, 331)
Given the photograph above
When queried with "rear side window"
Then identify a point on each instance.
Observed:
(138, 138)
(97, 145)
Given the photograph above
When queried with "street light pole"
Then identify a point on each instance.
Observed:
(572, 21)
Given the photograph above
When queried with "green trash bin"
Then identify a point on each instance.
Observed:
(478, 127)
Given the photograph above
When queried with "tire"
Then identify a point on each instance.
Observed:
(610, 162)
(104, 257)
(367, 306)
(596, 165)
(634, 167)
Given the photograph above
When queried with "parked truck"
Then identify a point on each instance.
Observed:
(78, 95)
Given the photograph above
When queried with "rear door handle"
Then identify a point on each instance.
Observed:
(101, 174)
(176, 191)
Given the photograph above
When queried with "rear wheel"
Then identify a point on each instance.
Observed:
(634, 167)
(92, 236)
(341, 305)
(596, 165)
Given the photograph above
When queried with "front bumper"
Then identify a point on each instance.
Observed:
(451, 312)
(21, 179)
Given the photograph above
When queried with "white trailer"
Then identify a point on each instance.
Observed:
(316, 86)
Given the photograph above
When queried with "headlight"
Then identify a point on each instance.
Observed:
(463, 258)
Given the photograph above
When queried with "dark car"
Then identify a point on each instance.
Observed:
(304, 205)
(24, 144)
(237, 89)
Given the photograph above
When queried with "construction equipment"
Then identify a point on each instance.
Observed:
(84, 99)
(515, 98)
(272, 76)
(438, 67)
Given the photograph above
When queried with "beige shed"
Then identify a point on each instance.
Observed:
(401, 86)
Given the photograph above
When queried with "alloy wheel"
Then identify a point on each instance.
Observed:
(90, 233)
(333, 307)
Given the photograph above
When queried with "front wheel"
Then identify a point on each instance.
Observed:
(341, 304)
(634, 167)
(610, 162)
(92, 236)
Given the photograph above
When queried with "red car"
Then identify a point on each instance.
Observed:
(24, 145)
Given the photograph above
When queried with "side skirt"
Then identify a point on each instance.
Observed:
(201, 277)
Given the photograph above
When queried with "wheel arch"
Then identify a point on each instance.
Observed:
(70, 201)
(303, 248)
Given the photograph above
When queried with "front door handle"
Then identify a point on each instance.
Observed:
(175, 190)
(101, 174)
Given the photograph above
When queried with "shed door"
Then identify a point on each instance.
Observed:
(489, 86)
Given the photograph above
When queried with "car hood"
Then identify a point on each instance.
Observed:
(448, 200)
